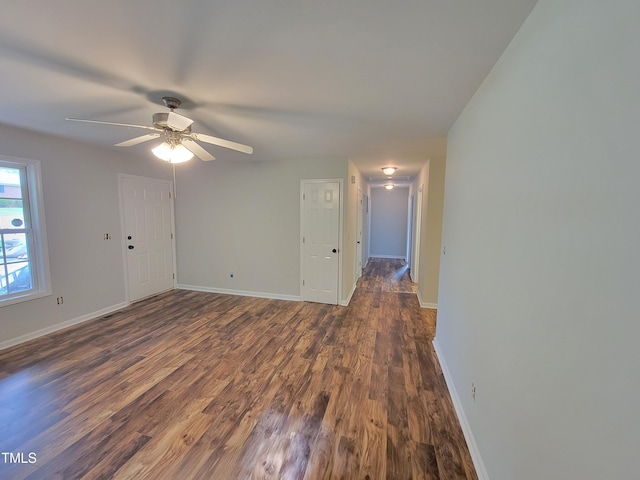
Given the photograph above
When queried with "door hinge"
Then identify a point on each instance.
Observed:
(303, 283)
(174, 275)
(303, 240)
(172, 236)
(170, 195)
(304, 196)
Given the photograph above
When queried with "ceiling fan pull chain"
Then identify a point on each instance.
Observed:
(175, 191)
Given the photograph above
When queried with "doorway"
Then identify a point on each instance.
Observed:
(147, 220)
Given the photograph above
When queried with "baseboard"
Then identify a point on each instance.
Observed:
(345, 303)
(478, 463)
(59, 326)
(397, 257)
(241, 293)
(425, 304)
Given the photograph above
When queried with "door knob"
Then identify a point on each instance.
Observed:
(131, 247)
(334, 250)
(129, 237)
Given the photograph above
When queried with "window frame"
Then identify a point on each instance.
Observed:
(37, 248)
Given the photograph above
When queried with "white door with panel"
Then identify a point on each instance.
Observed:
(359, 234)
(148, 230)
(320, 241)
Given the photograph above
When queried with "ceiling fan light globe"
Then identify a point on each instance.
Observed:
(180, 154)
(172, 153)
(388, 171)
(162, 151)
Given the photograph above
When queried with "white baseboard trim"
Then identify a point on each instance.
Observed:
(59, 326)
(398, 257)
(241, 293)
(478, 463)
(425, 304)
(345, 303)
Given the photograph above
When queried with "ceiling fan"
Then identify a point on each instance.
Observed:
(179, 144)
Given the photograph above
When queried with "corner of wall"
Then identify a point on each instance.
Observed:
(424, 304)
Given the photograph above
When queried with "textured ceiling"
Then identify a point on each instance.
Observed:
(377, 81)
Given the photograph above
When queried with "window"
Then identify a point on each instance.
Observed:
(24, 265)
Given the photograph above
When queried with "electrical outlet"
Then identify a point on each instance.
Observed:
(473, 391)
(107, 236)
(60, 300)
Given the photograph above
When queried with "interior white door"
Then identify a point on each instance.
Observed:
(320, 241)
(359, 236)
(148, 230)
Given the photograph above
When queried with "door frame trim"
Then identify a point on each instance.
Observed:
(414, 267)
(340, 182)
(123, 243)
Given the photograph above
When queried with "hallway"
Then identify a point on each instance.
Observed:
(200, 385)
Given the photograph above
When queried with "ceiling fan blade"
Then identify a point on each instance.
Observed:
(137, 140)
(178, 122)
(113, 123)
(197, 150)
(222, 143)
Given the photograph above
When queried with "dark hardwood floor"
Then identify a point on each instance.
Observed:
(193, 385)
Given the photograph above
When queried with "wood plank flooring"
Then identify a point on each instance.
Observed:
(191, 385)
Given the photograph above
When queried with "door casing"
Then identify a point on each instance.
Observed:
(417, 226)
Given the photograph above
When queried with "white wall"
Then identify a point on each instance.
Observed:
(389, 222)
(81, 204)
(538, 302)
(244, 217)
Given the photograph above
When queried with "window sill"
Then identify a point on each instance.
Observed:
(24, 298)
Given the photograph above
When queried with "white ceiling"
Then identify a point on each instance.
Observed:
(377, 81)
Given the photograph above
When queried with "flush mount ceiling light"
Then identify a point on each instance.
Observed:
(388, 187)
(388, 171)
